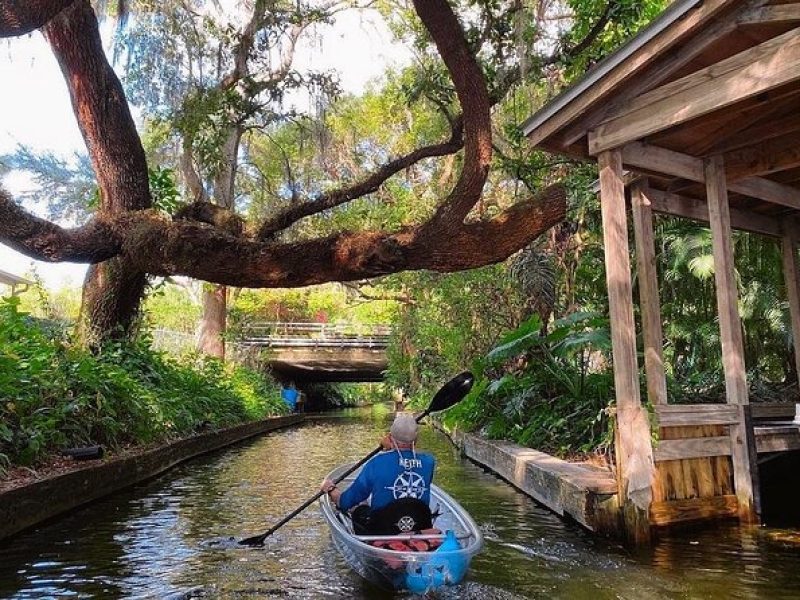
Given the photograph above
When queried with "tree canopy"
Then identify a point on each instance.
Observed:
(473, 58)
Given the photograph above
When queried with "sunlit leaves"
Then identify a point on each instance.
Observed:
(66, 188)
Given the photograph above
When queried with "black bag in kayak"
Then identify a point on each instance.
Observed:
(405, 515)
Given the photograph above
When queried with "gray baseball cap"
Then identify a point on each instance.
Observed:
(404, 429)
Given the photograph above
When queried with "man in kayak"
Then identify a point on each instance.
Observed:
(396, 481)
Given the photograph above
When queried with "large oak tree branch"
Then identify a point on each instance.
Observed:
(368, 185)
(505, 81)
(101, 109)
(443, 25)
(113, 289)
(152, 243)
(43, 240)
(448, 35)
(18, 17)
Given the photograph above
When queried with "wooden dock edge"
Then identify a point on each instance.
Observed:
(581, 492)
(29, 505)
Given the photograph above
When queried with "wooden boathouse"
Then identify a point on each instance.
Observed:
(698, 116)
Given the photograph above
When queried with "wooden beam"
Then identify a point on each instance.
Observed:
(752, 456)
(677, 59)
(632, 431)
(648, 294)
(689, 208)
(662, 160)
(692, 448)
(618, 277)
(774, 63)
(760, 132)
(763, 158)
(686, 415)
(693, 509)
(792, 281)
(677, 164)
(777, 438)
(730, 328)
(628, 68)
(773, 410)
(770, 15)
(765, 189)
(725, 277)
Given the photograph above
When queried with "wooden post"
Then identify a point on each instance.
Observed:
(634, 451)
(730, 331)
(790, 276)
(648, 294)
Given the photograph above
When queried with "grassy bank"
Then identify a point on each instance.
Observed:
(54, 394)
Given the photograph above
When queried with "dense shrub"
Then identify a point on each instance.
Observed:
(54, 394)
(547, 391)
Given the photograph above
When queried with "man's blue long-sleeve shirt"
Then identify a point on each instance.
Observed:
(389, 477)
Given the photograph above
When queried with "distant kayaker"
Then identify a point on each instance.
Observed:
(397, 483)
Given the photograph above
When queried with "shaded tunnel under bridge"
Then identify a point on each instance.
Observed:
(318, 352)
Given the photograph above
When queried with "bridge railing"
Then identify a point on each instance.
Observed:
(336, 335)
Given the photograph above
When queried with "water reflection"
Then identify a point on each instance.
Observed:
(175, 537)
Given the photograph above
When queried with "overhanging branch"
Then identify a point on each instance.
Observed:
(366, 186)
(152, 243)
(18, 17)
(43, 240)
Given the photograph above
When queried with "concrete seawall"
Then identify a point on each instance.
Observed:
(28, 505)
(580, 491)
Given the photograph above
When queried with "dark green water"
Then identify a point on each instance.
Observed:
(170, 537)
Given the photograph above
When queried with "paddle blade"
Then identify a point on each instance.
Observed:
(452, 392)
(256, 540)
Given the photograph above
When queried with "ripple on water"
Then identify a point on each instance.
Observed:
(177, 537)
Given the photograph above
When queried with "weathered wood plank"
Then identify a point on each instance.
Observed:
(693, 448)
(762, 158)
(762, 131)
(661, 160)
(693, 509)
(693, 477)
(633, 433)
(730, 328)
(765, 189)
(677, 415)
(759, 69)
(648, 294)
(773, 410)
(575, 104)
(777, 438)
(792, 280)
(690, 208)
(752, 455)
(770, 15)
(618, 277)
(725, 277)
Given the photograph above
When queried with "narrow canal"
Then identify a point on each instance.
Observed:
(170, 537)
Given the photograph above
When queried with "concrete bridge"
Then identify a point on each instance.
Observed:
(321, 351)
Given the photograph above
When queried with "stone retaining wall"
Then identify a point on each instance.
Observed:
(28, 505)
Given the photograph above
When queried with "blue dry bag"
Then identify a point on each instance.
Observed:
(441, 569)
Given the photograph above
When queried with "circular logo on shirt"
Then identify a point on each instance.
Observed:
(408, 485)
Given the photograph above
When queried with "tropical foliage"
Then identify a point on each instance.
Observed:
(53, 394)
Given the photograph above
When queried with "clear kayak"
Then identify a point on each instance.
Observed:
(457, 541)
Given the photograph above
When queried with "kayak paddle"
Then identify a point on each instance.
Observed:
(450, 394)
